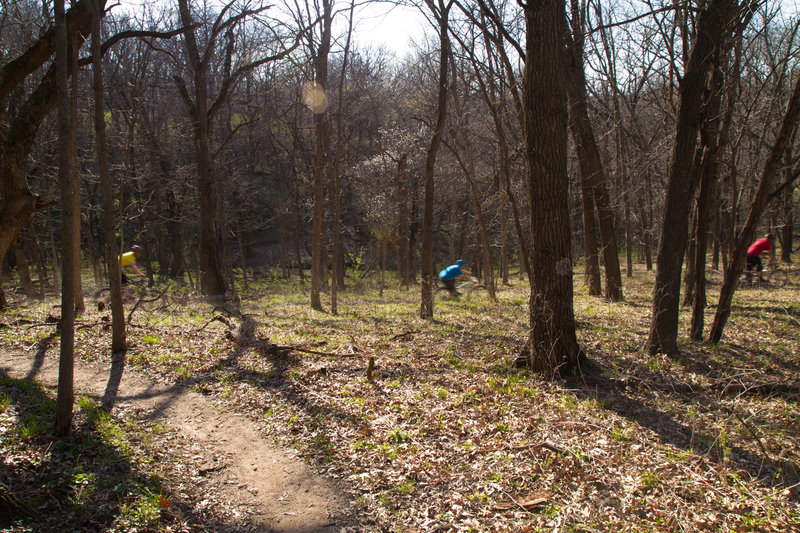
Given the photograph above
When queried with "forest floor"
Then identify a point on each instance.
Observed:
(261, 416)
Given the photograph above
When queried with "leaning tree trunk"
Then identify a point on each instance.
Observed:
(757, 206)
(590, 161)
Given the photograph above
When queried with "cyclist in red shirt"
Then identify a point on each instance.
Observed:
(764, 244)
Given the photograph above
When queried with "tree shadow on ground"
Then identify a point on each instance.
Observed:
(79, 483)
(634, 398)
(41, 352)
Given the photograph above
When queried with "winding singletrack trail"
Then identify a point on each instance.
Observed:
(265, 487)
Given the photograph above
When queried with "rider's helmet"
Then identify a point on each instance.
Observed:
(461, 263)
(769, 236)
(137, 249)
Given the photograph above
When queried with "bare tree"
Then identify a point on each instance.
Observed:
(440, 12)
(69, 247)
(202, 110)
(552, 347)
(760, 201)
(714, 25)
(118, 342)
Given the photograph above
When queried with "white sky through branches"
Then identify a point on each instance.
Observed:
(391, 26)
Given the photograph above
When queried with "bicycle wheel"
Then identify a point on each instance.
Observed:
(779, 277)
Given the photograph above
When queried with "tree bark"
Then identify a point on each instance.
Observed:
(118, 342)
(713, 25)
(757, 206)
(65, 395)
(552, 347)
(441, 12)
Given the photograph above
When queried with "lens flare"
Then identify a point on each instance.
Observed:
(314, 97)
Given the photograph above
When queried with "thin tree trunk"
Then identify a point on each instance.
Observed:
(118, 342)
(786, 230)
(757, 206)
(65, 396)
(441, 13)
(475, 196)
(23, 271)
(41, 269)
(321, 159)
(403, 254)
(80, 304)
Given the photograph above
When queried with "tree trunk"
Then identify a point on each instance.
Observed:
(475, 196)
(212, 281)
(41, 269)
(321, 157)
(552, 347)
(713, 25)
(403, 253)
(441, 12)
(80, 304)
(65, 395)
(23, 271)
(19, 203)
(786, 230)
(714, 138)
(590, 160)
(118, 342)
(757, 206)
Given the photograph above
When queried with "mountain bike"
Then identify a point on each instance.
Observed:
(775, 275)
(466, 287)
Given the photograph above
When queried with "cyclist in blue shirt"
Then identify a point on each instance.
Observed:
(453, 273)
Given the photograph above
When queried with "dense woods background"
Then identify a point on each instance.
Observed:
(246, 139)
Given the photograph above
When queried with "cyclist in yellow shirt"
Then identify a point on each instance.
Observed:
(128, 259)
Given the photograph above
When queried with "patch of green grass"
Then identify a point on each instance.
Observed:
(619, 435)
(142, 511)
(651, 479)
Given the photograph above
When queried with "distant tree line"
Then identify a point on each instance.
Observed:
(244, 137)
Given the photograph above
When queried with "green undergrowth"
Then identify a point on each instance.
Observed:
(446, 433)
(99, 478)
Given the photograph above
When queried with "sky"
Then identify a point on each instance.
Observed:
(389, 25)
(392, 26)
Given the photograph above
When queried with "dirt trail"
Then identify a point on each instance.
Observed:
(264, 486)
